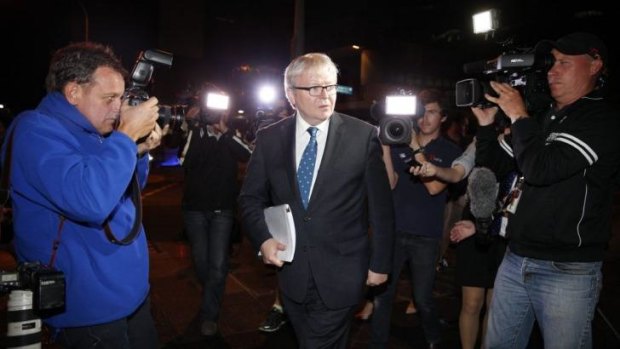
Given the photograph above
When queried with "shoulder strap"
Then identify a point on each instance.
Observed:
(135, 229)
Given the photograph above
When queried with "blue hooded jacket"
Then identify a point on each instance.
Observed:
(61, 166)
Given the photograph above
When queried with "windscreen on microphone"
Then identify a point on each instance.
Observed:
(482, 189)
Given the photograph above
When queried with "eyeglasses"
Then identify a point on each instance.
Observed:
(317, 90)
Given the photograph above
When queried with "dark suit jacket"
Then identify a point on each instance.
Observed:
(351, 193)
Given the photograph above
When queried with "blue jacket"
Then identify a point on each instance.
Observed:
(61, 166)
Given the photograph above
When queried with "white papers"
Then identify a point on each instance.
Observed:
(280, 222)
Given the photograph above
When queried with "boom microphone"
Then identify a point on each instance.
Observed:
(482, 191)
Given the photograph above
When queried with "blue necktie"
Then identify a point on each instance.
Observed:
(305, 172)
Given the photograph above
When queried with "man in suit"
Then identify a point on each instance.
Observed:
(345, 192)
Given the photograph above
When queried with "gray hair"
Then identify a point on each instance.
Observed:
(314, 60)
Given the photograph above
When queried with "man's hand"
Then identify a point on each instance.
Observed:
(427, 169)
(153, 140)
(462, 230)
(484, 116)
(375, 279)
(269, 250)
(509, 99)
(138, 121)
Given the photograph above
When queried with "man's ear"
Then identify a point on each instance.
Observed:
(72, 92)
(596, 66)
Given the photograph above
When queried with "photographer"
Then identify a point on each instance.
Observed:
(210, 160)
(419, 205)
(569, 159)
(74, 166)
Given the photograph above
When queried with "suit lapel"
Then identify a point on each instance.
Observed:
(333, 139)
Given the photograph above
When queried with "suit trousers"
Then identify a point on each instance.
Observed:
(316, 325)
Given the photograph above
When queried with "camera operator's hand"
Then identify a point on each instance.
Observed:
(138, 121)
(462, 230)
(509, 99)
(484, 116)
(153, 140)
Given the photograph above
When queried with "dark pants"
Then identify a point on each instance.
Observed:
(317, 326)
(136, 331)
(209, 234)
(421, 254)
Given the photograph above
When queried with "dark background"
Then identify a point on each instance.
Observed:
(211, 40)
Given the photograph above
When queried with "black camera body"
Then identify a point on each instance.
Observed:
(524, 71)
(47, 285)
(140, 79)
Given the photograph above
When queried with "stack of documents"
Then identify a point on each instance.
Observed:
(281, 225)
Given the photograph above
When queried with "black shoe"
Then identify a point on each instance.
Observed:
(274, 321)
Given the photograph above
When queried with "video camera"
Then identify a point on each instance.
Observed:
(46, 284)
(524, 71)
(397, 120)
(140, 79)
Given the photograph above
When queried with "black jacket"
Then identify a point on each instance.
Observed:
(569, 160)
(211, 169)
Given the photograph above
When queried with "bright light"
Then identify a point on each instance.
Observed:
(485, 21)
(1, 106)
(217, 101)
(355, 47)
(400, 105)
(267, 94)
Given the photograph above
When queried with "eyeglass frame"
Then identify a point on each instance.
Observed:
(329, 89)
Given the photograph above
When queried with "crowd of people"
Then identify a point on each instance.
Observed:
(363, 209)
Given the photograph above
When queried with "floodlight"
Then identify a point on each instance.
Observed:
(485, 21)
(267, 94)
(217, 101)
(400, 105)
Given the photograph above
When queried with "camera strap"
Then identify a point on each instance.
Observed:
(135, 229)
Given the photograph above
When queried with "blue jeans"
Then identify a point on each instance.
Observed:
(561, 296)
(421, 253)
(136, 331)
(209, 234)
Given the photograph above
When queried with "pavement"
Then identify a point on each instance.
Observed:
(250, 289)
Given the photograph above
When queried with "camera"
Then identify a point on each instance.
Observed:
(396, 125)
(140, 79)
(524, 71)
(47, 286)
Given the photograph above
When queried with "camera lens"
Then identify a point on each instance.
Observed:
(23, 325)
(395, 130)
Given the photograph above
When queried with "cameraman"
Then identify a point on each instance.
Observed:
(74, 167)
(210, 160)
(569, 159)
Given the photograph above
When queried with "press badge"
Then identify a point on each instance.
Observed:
(515, 196)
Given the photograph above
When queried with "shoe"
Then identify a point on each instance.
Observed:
(366, 311)
(274, 321)
(411, 308)
(208, 328)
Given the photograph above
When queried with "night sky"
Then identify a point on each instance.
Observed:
(211, 38)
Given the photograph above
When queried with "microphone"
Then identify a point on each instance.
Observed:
(482, 190)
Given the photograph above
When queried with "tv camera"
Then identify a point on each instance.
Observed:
(524, 71)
